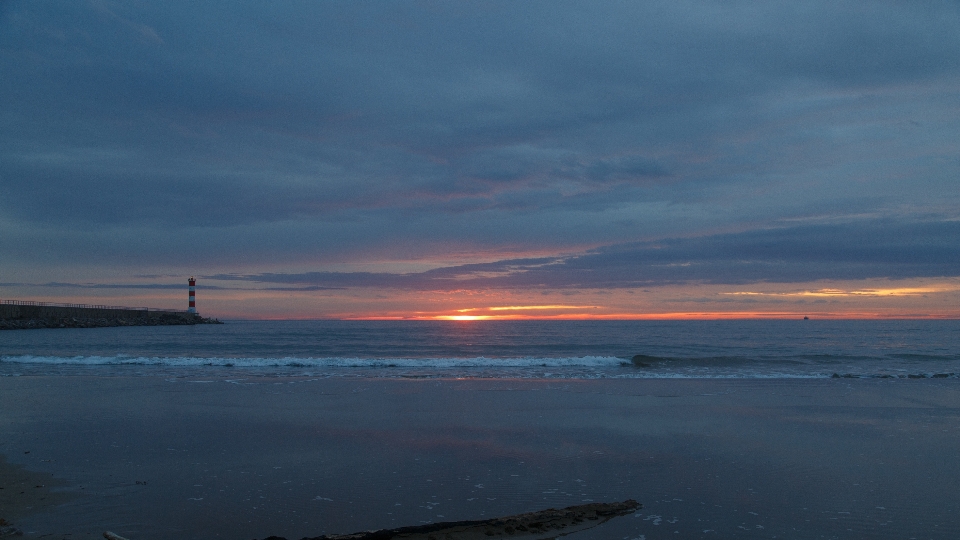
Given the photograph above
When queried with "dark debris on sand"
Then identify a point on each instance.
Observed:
(544, 524)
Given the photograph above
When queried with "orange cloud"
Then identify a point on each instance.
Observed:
(524, 308)
(833, 293)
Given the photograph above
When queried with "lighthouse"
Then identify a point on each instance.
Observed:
(193, 295)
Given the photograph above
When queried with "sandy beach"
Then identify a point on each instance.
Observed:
(24, 492)
(180, 457)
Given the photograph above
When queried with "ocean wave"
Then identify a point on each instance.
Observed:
(580, 367)
(332, 362)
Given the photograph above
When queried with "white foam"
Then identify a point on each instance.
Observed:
(330, 362)
(583, 367)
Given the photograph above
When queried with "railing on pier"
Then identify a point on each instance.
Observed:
(86, 306)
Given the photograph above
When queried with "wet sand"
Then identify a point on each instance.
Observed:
(24, 492)
(163, 457)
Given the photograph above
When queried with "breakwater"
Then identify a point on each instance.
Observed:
(22, 315)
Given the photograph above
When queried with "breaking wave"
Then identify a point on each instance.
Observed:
(583, 367)
(334, 362)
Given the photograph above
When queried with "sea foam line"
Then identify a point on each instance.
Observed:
(344, 362)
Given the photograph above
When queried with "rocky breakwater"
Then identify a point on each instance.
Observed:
(24, 317)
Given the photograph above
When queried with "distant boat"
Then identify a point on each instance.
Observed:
(806, 318)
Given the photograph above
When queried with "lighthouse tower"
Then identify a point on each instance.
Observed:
(193, 295)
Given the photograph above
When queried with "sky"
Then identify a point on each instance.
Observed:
(483, 159)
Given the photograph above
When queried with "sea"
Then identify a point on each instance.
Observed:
(810, 429)
(498, 349)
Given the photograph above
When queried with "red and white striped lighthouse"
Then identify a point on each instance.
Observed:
(193, 295)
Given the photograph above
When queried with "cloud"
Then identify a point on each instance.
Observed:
(839, 293)
(264, 136)
(161, 286)
(784, 255)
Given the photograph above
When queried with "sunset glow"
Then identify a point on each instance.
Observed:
(874, 299)
(526, 308)
(456, 318)
(530, 308)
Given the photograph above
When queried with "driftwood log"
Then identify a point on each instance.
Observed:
(542, 525)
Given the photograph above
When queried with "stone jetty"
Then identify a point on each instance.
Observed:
(23, 315)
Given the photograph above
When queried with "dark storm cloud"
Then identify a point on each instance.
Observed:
(299, 131)
(785, 255)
